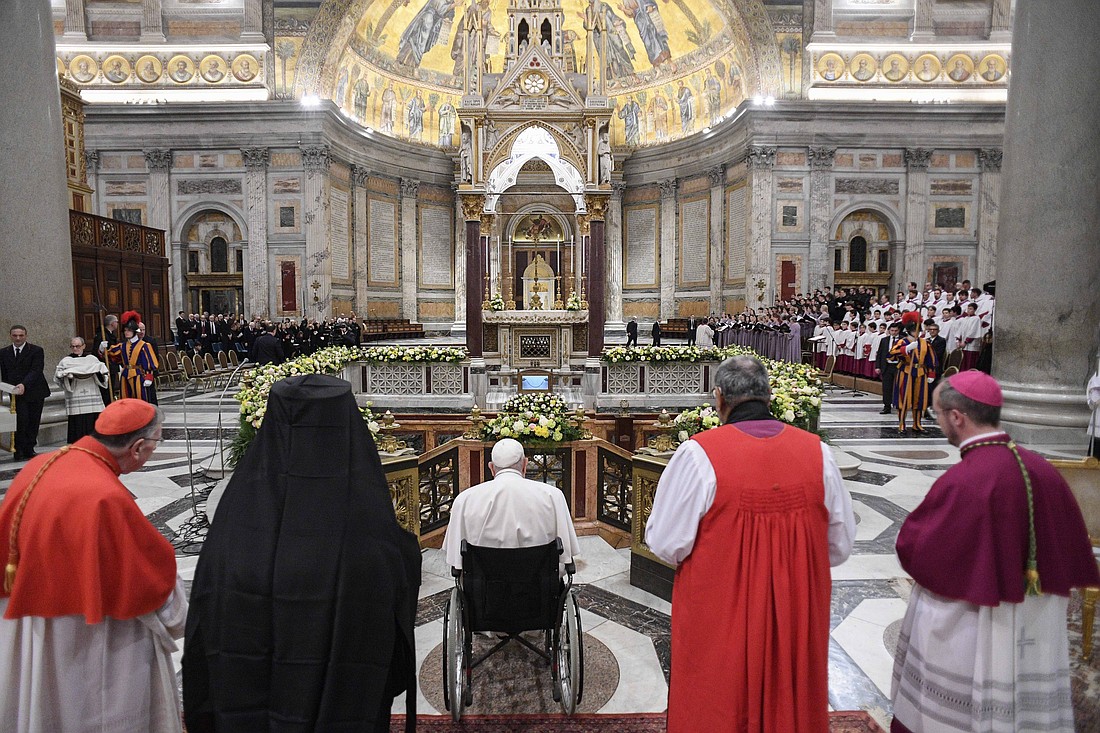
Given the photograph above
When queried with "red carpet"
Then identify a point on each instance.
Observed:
(839, 722)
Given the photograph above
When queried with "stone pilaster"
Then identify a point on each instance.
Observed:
(1000, 25)
(257, 283)
(472, 207)
(152, 22)
(923, 30)
(759, 285)
(614, 234)
(917, 161)
(1047, 305)
(315, 217)
(76, 23)
(410, 189)
(823, 20)
(359, 176)
(989, 210)
(159, 163)
(91, 167)
(668, 247)
(820, 267)
(459, 327)
(252, 26)
(34, 219)
(717, 176)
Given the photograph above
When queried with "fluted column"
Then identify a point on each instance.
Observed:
(159, 163)
(717, 176)
(614, 235)
(34, 219)
(91, 167)
(667, 282)
(916, 215)
(923, 30)
(359, 176)
(1000, 25)
(76, 23)
(472, 205)
(252, 26)
(152, 24)
(823, 20)
(989, 211)
(820, 268)
(759, 287)
(410, 189)
(1048, 261)
(315, 160)
(458, 329)
(257, 283)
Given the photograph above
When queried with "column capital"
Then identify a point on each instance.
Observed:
(158, 160)
(717, 175)
(596, 205)
(472, 206)
(820, 157)
(761, 157)
(582, 224)
(359, 175)
(410, 187)
(91, 160)
(618, 190)
(487, 220)
(315, 157)
(256, 158)
(918, 159)
(990, 158)
(668, 187)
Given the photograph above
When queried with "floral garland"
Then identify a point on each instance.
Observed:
(413, 354)
(533, 419)
(623, 355)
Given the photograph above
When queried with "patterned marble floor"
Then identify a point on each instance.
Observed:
(869, 590)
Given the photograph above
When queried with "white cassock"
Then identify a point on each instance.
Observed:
(947, 330)
(969, 332)
(63, 675)
(509, 511)
(674, 522)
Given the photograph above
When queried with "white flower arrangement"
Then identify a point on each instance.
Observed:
(573, 302)
(533, 418)
(496, 303)
(413, 354)
(623, 355)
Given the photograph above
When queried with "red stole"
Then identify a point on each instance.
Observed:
(750, 605)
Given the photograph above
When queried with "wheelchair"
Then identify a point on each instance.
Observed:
(512, 591)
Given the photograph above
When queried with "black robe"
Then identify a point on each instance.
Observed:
(305, 594)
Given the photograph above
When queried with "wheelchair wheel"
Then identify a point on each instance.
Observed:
(455, 695)
(570, 657)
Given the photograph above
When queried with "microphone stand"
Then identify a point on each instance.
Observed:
(854, 391)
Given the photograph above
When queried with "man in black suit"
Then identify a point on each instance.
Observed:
(939, 348)
(267, 349)
(656, 333)
(183, 328)
(21, 365)
(632, 332)
(693, 323)
(887, 367)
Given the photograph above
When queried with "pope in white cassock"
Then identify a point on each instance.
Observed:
(509, 511)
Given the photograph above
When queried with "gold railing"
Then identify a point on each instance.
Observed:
(647, 473)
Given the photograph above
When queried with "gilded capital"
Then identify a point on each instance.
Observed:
(472, 206)
(487, 222)
(582, 224)
(596, 205)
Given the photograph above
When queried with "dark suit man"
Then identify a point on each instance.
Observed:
(939, 349)
(693, 323)
(656, 333)
(632, 332)
(267, 349)
(887, 368)
(183, 328)
(21, 365)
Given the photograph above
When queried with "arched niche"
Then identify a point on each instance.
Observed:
(531, 141)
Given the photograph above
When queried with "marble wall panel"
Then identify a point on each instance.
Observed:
(383, 308)
(641, 309)
(788, 185)
(381, 241)
(694, 242)
(340, 233)
(737, 233)
(640, 226)
(287, 185)
(951, 186)
(436, 258)
(286, 160)
(436, 310)
(125, 188)
(790, 158)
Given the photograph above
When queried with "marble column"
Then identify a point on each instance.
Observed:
(76, 23)
(1000, 25)
(759, 287)
(916, 216)
(923, 30)
(159, 163)
(252, 25)
(989, 210)
(1048, 261)
(318, 263)
(359, 176)
(458, 329)
(595, 270)
(613, 231)
(668, 248)
(823, 20)
(471, 213)
(91, 167)
(152, 24)
(34, 200)
(257, 281)
(819, 271)
(717, 176)
(410, 189)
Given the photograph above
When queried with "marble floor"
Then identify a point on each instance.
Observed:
(869, 590)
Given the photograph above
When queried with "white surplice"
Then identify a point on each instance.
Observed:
(63, 675)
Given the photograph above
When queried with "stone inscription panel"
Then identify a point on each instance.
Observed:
(880, 186)
(382, 242)
(194, 186)
(736, 233)
(950, 218)
(640, 238)
(436, 248)
(694, 241)
(341, 234)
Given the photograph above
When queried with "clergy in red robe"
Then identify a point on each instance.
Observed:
(994, 548)
(91, 601)
(753, 514)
